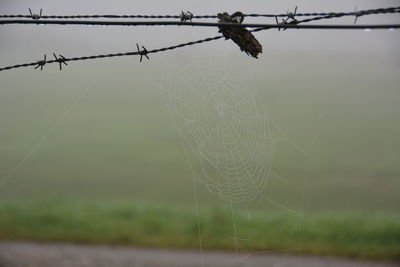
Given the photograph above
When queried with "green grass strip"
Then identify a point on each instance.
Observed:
(346, 235)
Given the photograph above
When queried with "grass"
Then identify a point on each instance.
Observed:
(347, 235)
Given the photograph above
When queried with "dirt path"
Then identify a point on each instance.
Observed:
(27, 254)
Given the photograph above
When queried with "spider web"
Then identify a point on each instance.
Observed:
(224, 129)
(228, 137)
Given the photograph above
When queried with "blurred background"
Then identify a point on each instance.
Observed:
(96, 153)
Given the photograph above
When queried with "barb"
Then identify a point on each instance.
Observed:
(142, 52)
(186, 16)
(291, 16)
(41, 63)
(313, 14)
(356, 15)
(289, 20)
(61, 60)
(35, 16)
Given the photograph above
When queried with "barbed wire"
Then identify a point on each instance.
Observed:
(203, 24)
(332, 14)
(289, 22)
(143, 52)
(357, 14)
(186, 19)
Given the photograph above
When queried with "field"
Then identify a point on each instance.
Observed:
(339, 234)
(106, 165)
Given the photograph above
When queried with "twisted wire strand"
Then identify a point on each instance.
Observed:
(203, 24)
(96, 16)
(132, 53)
(335, 14)
(356, 13)
(328, 14)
